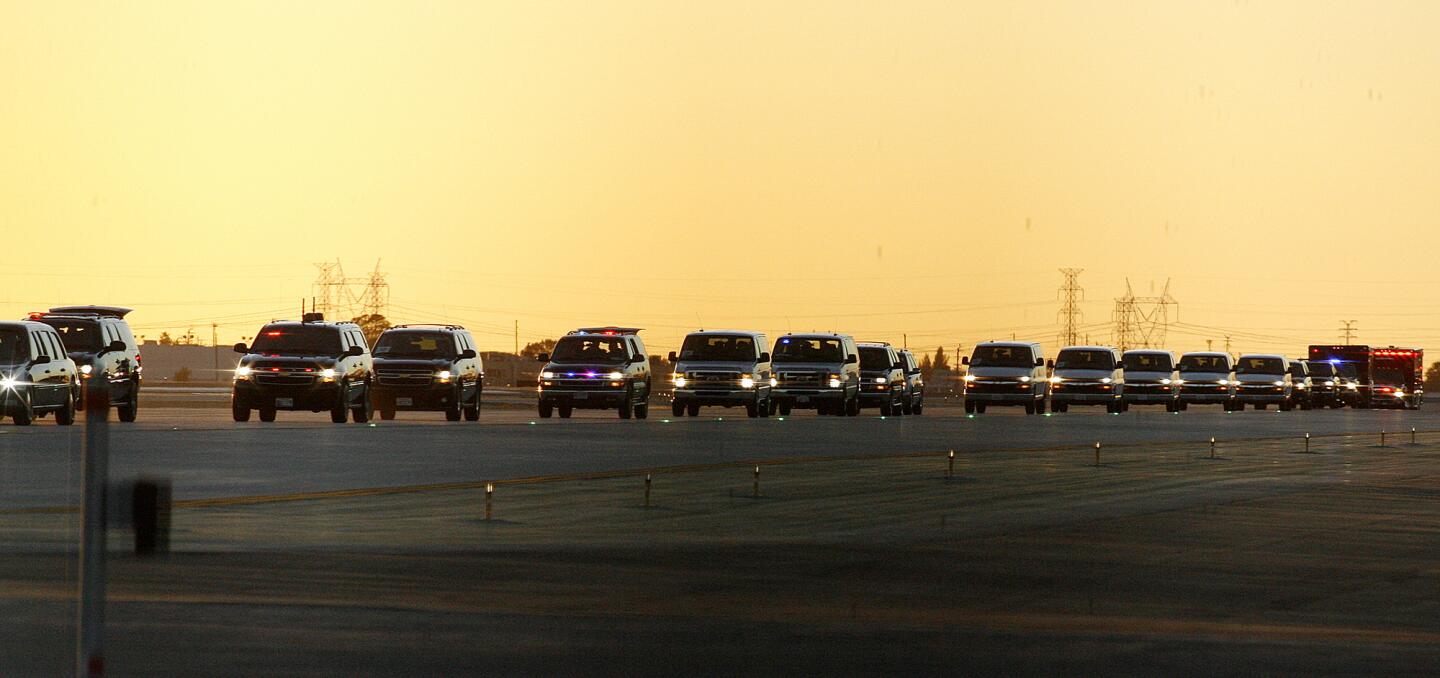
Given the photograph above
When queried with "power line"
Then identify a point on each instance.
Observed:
(1347, 331)
(1072, 294)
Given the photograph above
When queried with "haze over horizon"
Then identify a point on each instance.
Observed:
(919, 169)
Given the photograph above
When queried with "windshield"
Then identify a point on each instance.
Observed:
(1297, 370)
(809, 350)
(415, 345)
(1321, 369)
(718, 347)
(301, 340)
(1204, 363)
(1148, 362)
(875, 358)
(79, 336)
(1002, 356)
(1390, 373)
(1348, 370)
(14, 346)
(1260, 366)
(1080, 359)
(582, 349)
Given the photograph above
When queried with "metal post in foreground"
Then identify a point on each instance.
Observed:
(95, 463)
(950, 472)
(647, 490)
(756, 489)
(1307, 443)
(489, 498)
(1097, 454)
(1412, 435)
(1212, 447)
(1382, 437)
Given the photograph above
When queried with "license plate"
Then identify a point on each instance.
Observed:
(581, 396)
(284, 402)
(802, 399)
(404, 402)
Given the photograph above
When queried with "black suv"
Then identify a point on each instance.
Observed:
(882, 378)
(431, 368)
(99, 340)
(310, 365)
(596, 368)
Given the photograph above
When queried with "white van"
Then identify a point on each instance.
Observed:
(1005, 373)
(1088, 375)
(1151, 379)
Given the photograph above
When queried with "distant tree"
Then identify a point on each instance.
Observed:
(942, 361)
(536, 348)
(926, 367)
(182, 374)
(1432, 377)
(165, 339)
(371, 325)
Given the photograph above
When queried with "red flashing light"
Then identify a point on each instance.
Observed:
(36, 315)
(610, 333)
(273, 333)
(274, 369)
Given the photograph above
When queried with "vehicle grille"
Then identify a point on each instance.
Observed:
(404, 376)
(799, 378)
(1081, 387)
(713, 380)
(284, 378)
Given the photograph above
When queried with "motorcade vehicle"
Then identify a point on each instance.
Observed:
(1399, 377)
(1353, 363)
(596, 368)
(311, 365)
(1261, 380)
(1326, 384)
(1006, 374)
(98, 339)
(1088, 375)
(722, 368)
(1304, 390)
(427, 368)
(37, 376)
(914, 384)
(1207, 378)
(817, 370)
(882, 378)
(1151, 378)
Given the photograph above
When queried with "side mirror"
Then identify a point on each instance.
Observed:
(637, 359)
(764, 356)
(672, 357)
(964, 360)
(114, 346)
(1040, 362)
(1048, 363)
(467, 354)
(241, 348)
(899, 366)
(41, 359)
(851, 359)
(542, 358)
(354, 351)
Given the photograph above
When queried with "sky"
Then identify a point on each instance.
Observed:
(915, 172)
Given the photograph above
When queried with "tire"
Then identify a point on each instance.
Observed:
(886, 409)
(908, 407)
(693, 409)
(642, 411)
(127, 412)
(969, 407)
(546, 409)
(472, 412)
(452, 411)
(1285, 406)
(766, 408)
(752, 410)
(919, 408)
(25, 415)
(365, 411)
(979, 408)
(339, 412)
(387, 415)
(566, 410)
(853, 407)
(627, 406)
(784, 409)
(267, 414)
(1030, 408)
(238, 413)
(1040, 407)
(677, 409)
(66, 415)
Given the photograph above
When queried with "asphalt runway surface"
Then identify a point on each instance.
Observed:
(205, 455)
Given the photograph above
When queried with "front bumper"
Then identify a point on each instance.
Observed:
(301, 397)
(1204, 394)
(735, 396)
(1267, 394)
(589, 398)
(808, 397)
(424, 398)
(1084, 393)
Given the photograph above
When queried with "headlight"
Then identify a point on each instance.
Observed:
(1224, 382)
(1279, 383)
(1056, 380)
(1329, 383)
(879, 380)
(547, 374)
(8, 383)
(1165, 382)
(834, 381)
(86, 370)
(1106, 380)
(241, 372)
(443, 375)
(1180, 382)
(328, 373)
(617, 374)
(1300, 385)
(747, 382)
(1025, 380)
(679, 379)
(773, 382)
(1353, 386)
(969, 377)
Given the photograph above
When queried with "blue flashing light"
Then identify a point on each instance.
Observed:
(784, 341)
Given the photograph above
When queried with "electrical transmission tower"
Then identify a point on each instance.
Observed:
(342, 298)
(1347, 331)
(1071, 293)
(1142, 322)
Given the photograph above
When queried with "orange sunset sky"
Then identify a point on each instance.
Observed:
(913, 169)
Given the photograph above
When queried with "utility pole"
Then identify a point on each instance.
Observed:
(517, 337)
(1209, 344)
(1142, 322)
(215, 347)
(1347, 331)
(1227, 343)
(1071, 294)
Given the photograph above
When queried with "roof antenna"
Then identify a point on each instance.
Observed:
(699, 321)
